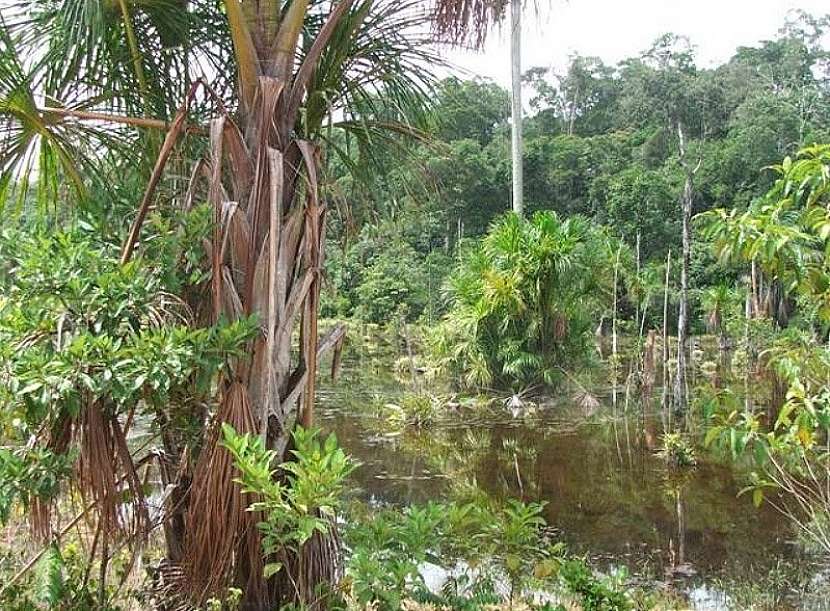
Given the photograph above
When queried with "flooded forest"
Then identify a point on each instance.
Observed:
(298, 313)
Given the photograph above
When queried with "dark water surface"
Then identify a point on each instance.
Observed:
(606, 491)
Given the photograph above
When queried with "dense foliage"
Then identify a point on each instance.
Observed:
(522, 302)
(601, 142)
(83, 334)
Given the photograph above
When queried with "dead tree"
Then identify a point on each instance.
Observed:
(680, 387)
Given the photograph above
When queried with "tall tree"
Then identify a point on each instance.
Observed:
(661, 90)
(516, 104)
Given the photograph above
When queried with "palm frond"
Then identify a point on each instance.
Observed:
(467, 21)
(35, 150)
(372, 89)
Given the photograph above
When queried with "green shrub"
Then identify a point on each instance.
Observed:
(497, 543)
(417, 410)
(522, 302)
(594, 594)
(305, 502)
(81, 333)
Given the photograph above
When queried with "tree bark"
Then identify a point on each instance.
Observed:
(665, 397)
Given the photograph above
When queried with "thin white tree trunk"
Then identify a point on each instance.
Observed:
(639, 286)
(614, 361)
(680, 387)
(516, 128)
(666, 355)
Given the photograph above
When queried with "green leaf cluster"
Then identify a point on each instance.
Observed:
(491, 543)
(297, 498)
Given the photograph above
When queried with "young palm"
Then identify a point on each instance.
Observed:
(519, 302)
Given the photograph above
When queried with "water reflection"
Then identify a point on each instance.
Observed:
(607, 494)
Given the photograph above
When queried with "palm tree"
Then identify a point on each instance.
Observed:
(521, 304)
(264, 88)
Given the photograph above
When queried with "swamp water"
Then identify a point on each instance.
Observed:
(607, 494)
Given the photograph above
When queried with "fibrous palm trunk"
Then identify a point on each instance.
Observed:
(266, 258)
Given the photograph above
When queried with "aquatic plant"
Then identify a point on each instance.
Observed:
(413, 409)
(677, 450)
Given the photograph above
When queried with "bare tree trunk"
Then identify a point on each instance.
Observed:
(639, 297)
(413, 373)
(680, 389)
(516, 127)
(614, 363)
(749, 361)
(665, 397)
(756, 301)
(572, 113)
(648, 368)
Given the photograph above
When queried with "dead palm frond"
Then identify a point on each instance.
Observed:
(107, 473)
(461, 21)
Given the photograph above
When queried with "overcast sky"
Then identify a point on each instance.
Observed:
(614, 30)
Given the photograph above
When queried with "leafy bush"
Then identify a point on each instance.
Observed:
(81, 333)
(387, 549)
(522, 302)
(305, 504)
(488, 544)
(394, 278)
(28, 474)
(594, 594)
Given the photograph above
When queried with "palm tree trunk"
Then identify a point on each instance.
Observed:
(266, 260)
(516, 104)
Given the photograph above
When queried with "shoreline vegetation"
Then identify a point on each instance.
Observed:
(273, 338)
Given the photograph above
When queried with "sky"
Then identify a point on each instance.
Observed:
(616, 29)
